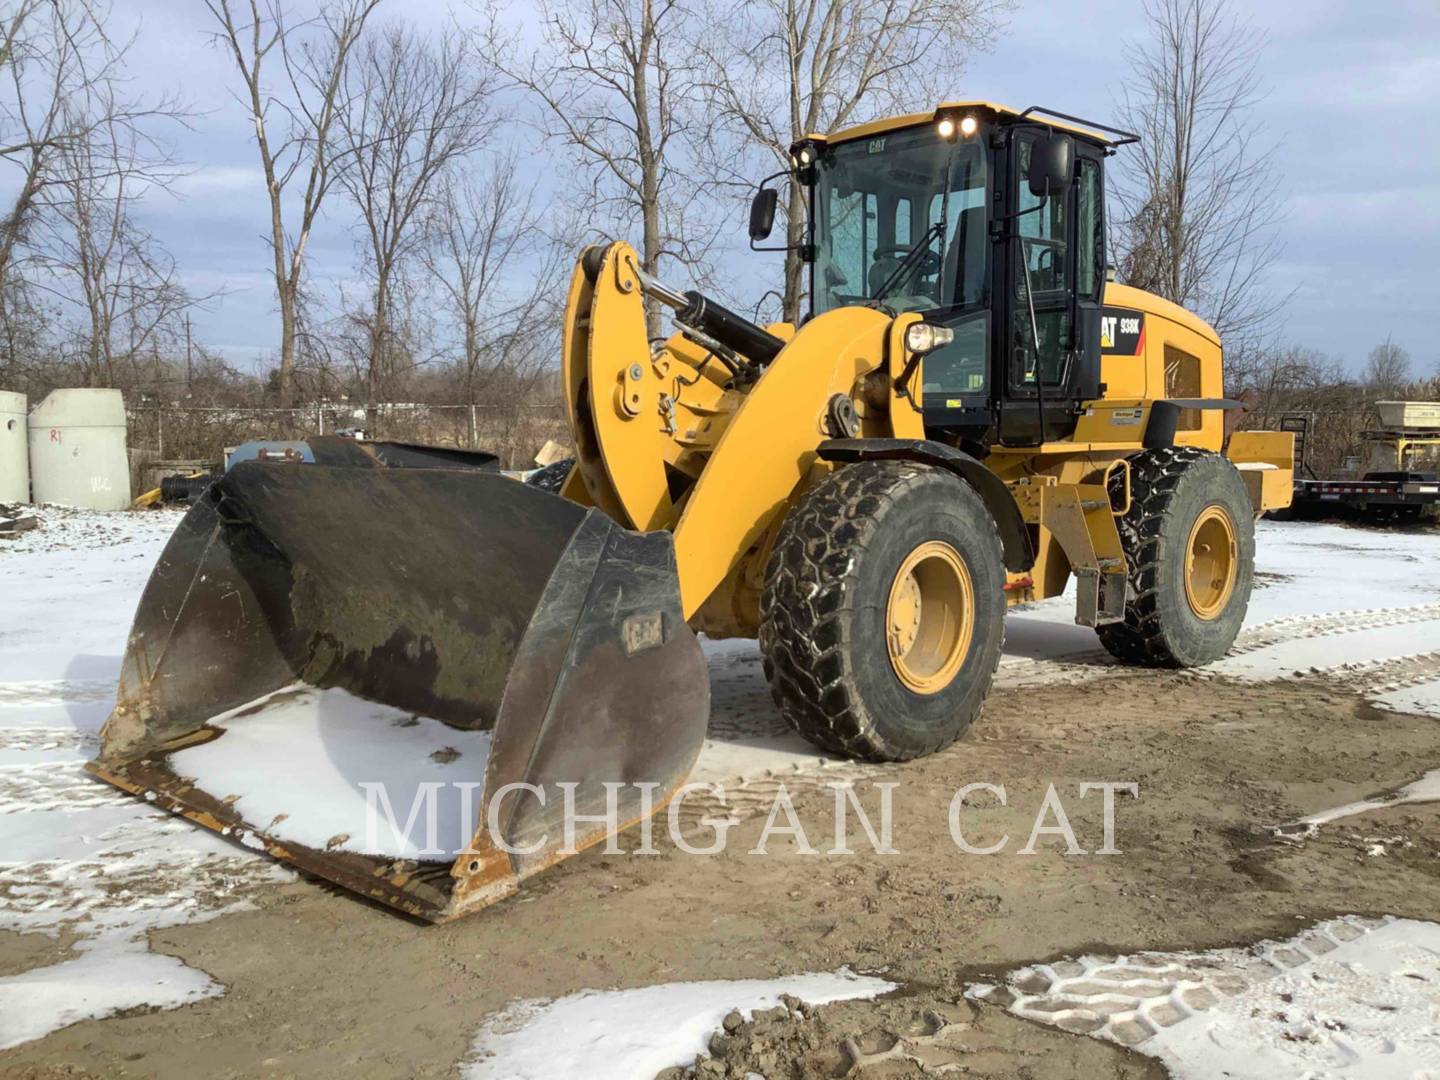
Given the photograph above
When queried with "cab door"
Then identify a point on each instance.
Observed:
(1053, 276)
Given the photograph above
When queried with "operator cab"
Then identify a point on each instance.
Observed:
(988, 222)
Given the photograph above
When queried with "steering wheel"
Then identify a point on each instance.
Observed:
(929, 262)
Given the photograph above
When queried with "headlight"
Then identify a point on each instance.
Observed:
(968, 126)
(924, 337)
(947, 128)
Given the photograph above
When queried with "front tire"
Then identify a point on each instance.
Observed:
(1189, 540)
(883, 611)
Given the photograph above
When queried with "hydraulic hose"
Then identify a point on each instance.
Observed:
(725, 326)
(728, 328)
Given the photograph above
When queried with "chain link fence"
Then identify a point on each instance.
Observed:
(515, 433)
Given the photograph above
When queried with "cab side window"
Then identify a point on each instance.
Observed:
(1043, 228)
(1090, 241)
(1041, 277)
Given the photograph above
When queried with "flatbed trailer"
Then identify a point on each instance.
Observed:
(1396, 493)
(1419, 491)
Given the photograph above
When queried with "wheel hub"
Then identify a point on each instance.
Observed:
(930, 617)
(1211, 562)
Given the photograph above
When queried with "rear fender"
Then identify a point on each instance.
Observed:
(1266, 462)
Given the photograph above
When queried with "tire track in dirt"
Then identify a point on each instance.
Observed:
(1377, 677)
(54, 786)
(54, 692)
(32, 740)
(751, 797)
(1086, 664)
(742, 710)
(1354, 993)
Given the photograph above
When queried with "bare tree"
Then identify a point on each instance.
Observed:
(410, 341)
(485, 241)
(63, 82)
(25, 334)
(1279, 380)
(304, 96)
(1387, 371)
(96, 256)
(47, 55)
(615, 80)
(1200, 213)
(783, 69)
(412, 110)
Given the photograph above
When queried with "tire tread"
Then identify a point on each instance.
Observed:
(1155, 475)
(805, 624)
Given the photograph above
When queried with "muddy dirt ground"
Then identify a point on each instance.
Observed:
(322, 984)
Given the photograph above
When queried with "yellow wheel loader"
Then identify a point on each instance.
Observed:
(969, 417)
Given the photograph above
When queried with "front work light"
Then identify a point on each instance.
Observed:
(924, 337)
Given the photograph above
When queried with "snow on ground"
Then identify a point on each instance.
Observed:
(1424, 790)
(1326, 596)
(1338, 648)
(78, 858)
(1424, 699)
(336, 744)
(1306, 575)
(622, 1034)
(69, 590)
(1354, 996)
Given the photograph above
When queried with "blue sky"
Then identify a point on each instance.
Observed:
(1351, 103)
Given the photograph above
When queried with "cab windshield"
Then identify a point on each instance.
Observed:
(900, 219)
(877, 199)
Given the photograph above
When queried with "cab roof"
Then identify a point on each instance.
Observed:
(1085, 129)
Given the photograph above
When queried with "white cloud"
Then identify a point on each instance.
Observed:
(213, 180)
(1406, 213)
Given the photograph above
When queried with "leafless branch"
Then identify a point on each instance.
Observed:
(304, 98)
(1199, 213)
(777, 70)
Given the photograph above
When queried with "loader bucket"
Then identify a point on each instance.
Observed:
(324, 652)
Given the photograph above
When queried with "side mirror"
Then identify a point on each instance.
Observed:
(1052, 165)
(762, 213)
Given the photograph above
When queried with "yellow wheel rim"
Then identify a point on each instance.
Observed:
(930, 617)
(1210, 562)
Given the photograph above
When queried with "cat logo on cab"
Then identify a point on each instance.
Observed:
(1122, 332)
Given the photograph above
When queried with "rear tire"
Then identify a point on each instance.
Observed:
(870, 541)
(1184, 502)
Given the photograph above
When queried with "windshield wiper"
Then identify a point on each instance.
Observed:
(911, 257)
(923, 244)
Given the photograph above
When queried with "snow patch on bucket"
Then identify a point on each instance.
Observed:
(302, 765)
